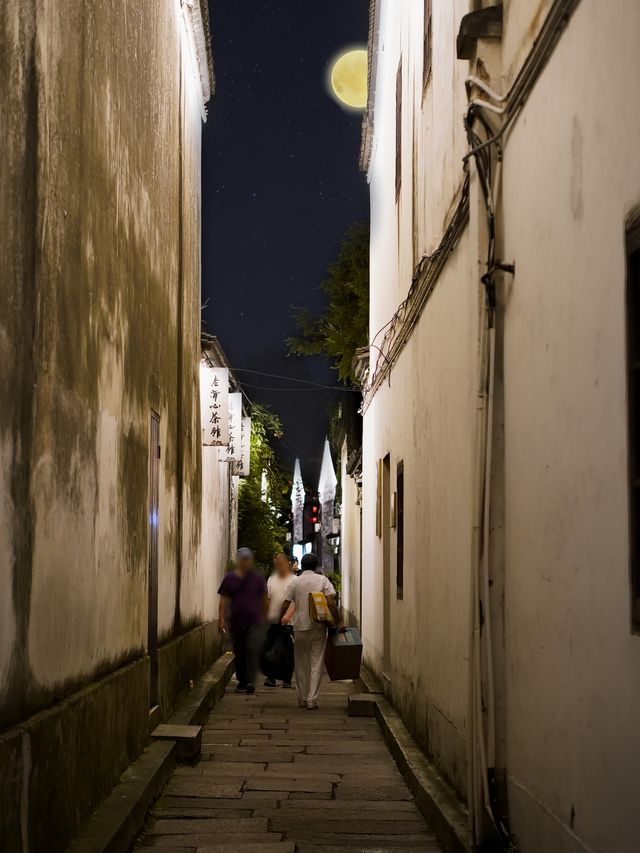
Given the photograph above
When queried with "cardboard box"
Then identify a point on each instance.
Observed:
(343, 657)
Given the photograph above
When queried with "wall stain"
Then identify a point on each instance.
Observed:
(577, 170)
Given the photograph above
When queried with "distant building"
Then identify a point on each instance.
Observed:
(348, 439)
(327, 497)
(297, 504)
(107, 601)
(500, 516)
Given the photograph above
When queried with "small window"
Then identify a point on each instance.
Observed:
(400, 530)
(633, 407)
(398, 130)
(427, 45)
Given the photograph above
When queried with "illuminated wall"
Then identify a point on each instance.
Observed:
(101, 109)
(565, 660)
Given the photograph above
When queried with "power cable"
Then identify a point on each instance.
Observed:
(301, 390)
(291, 379)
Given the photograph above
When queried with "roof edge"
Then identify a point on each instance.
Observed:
(372, 68)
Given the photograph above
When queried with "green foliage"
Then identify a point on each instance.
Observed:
(259, 522)
(343, 327)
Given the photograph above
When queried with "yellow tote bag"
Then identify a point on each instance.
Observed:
(319, 608)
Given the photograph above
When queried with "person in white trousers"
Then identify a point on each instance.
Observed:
(310, 638)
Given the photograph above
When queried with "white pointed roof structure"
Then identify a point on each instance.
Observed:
(297, 502)
(328, 480)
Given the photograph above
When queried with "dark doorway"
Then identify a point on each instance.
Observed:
(386, 562)
(154, 517)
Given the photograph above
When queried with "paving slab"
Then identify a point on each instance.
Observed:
(166, 850)
(247, 753)
(267, 847)
(343, 826)
(284, 783)
(297, 772)
(306, 795)
(344, 762)
(204, 826)
(210, 842)
(176, 802)
(263, 796)
(222, 768)
(388, 792)
(346, 747)
(345, 841)
(199, 786)
(304, 737)
(378, 847)
(359, 806)
(228, 737)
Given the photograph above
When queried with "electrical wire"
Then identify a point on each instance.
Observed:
(422, 283)
(302, 390)
(290, 378)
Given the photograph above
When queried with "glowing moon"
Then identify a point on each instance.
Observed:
(349, 78)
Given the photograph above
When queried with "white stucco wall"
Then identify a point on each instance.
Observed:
(112, 235)
(422, 416)
(349, 539)
(217, 525)
(422, 419)
(569, 670)
(573, 688)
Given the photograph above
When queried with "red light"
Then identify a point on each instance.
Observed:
(314, 509)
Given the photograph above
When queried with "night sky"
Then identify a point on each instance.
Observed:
(280, 185)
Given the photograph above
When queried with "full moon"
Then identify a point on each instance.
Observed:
(349, 78)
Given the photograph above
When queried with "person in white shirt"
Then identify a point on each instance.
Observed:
(310, 637)
(276, 588)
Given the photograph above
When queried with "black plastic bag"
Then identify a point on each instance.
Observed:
(277, 655)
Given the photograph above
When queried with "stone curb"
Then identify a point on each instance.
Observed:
(119, 818)
(209, 689)
(435, 798)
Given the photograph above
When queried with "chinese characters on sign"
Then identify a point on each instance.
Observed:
(231, 453)
(241, 467)
(214, 405)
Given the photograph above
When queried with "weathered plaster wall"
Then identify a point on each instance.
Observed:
(349, 541)
(217, 522)
(573, 667)
(105, 327)
(100, 326)
(566, 663)
(422, 417)
(17, 298)
(422, 420)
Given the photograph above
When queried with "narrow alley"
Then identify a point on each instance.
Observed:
(273, 778)
(319, 358)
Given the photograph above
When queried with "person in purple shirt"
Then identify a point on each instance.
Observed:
(243, 603)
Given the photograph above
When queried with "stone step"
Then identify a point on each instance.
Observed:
(188, 739)
(362, 705)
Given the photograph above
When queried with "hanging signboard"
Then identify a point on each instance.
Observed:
(242, 466)
(231, 453)
(214, 405)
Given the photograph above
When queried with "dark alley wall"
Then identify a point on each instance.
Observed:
(100, 326)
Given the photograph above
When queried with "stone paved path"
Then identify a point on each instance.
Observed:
(274, 778)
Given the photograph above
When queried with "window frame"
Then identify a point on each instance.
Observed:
(400, 530)
(399, 129)
(427, 44)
